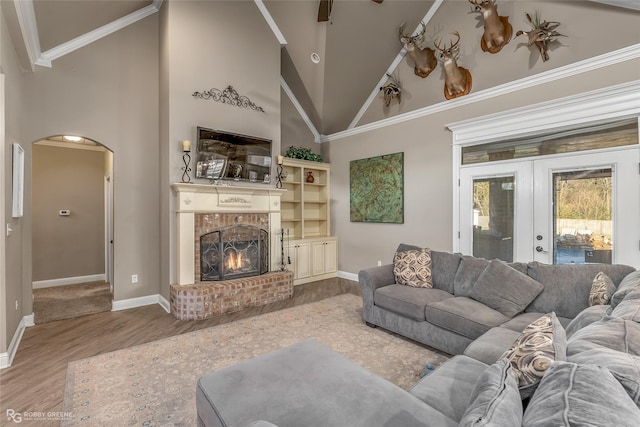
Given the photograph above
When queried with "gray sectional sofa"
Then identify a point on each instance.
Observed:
(593, 377)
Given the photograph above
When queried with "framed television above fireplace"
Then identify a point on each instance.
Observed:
(230, 156)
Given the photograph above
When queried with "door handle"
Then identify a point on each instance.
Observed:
(541, 249)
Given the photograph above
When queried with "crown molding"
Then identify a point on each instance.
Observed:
(627, 4)
(376, 90)
(27, 21)
(47, 57)
(316, 135)
(590, 64)
(615, 102)
(271, 22)
(29, 28)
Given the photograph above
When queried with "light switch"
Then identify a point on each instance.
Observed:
(65, 212)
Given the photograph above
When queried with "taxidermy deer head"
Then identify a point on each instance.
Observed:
(424, 59)
(541, 34)
(497, 29)
(457, 80)
(391, 90)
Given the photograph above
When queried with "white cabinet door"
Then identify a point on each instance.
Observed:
(300, 259)
(324, 257)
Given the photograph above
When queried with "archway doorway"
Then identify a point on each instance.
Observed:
(72, 228)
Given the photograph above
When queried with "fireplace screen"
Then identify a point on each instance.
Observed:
(233, 252)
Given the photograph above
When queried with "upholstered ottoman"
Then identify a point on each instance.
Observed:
(307, 384)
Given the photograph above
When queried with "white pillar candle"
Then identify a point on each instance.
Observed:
(280, 160)
(186, 145)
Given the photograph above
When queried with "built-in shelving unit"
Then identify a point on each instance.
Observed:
(305, 213)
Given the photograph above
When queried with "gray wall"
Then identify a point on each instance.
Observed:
(428, 192)
(108, 92)
(72, 179)
(15, 275)
(208, 45)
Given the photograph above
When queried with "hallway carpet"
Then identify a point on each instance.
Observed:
(70, 301)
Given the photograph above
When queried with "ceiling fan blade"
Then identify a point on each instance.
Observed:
(324, 10)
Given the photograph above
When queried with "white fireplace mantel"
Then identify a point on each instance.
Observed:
(202, 198)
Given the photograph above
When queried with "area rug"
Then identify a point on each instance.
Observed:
(70, 301)
(154, 384)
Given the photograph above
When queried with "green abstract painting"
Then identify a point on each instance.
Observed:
(377, 189)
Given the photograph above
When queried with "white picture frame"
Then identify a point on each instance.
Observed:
(18, 181)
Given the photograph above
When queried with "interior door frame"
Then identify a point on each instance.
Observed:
(108, 228)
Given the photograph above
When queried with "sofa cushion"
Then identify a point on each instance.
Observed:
(464, 316)
(629, 283)
(448, 389)
(505, 289)
(580, 395)
(491, 345)
(443, 266)
(601, 290)
(615, 344)
(614, 333)
(521, 321)
(468, 272)
(536, 348)
(413, 268)
(585, 318)
(495, 400)
(567, 286)
(406, 300)
(629, 308)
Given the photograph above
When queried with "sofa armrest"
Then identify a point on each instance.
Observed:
(371, 279)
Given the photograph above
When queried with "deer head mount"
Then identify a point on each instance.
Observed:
(424, 59)
(457, 80)
(542, 34)
(392, 90)
(497, 29)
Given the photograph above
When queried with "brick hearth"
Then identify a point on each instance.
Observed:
(207, 299)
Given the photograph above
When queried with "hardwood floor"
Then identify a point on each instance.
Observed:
(35, 381)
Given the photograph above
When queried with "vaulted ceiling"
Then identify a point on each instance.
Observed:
(352, 52)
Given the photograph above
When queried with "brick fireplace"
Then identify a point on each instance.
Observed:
(250, 216)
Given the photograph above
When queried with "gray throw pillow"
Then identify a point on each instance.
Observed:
(495, 400)
(601, 290)
(630, 283)
(505, 289)
(580, 395)
(629, 307)
(538, 346)
(585, 318)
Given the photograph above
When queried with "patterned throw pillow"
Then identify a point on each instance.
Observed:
(538, 346)
(413, 268)
(601, 290)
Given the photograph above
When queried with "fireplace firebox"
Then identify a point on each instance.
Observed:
(233, 252)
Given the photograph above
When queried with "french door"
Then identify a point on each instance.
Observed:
(577, 208)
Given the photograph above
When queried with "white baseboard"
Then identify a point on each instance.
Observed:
(348, 276)
(6, 359)
(164, 303)
(68, 281)
(126, 304)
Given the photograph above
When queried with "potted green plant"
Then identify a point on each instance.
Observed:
(302, 153)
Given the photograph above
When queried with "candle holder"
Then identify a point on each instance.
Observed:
(186, 158)
(279, 176)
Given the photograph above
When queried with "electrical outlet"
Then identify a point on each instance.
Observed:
(17, 305)
(134, 278)
(379, 263)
